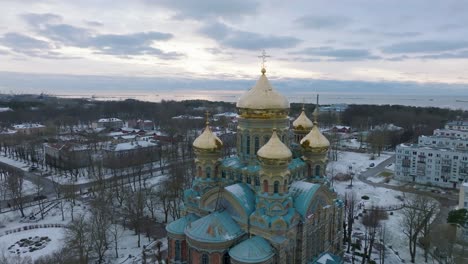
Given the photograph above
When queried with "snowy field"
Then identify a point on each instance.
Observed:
(358, 161)
(127, 240)
(14, 163)
(378, 196)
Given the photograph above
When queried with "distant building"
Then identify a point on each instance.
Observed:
(29, 128)
(121, 154)
(141, 124)
(462, 231)
(441, 159)
(341, 129)
(67, 155)
(108, 123)
(334, 108)
(457, 125)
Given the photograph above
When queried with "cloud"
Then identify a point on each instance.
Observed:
(323, 22)
(139, 43)
(336, 54)
(203, 9)
(36, 20)
(425, 46)
(92, 23)
(397, 34)
(239, 39)
(25, 45)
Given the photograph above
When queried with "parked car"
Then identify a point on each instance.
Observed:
(371, 165)
(32, 168)
(39, 197)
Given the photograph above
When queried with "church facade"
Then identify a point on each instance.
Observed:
(271, 203)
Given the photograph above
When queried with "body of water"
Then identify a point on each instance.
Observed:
(452, 102)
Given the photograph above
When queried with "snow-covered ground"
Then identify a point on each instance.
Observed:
(358, 161)
(378, 196)
(14, 163)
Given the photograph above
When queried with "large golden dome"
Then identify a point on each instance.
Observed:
(262, 97)
(274, 149)
(207, 140)
(302, 122)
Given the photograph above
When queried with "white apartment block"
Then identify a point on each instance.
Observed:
(457, 125)
(441, 159)
(451, 133)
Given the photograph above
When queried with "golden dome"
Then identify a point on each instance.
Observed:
(302, 122)
(315, 141)
(207, 140)
(263, 96)
(275, 149)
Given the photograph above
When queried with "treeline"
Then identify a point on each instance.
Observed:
(59, 112)
(417, 120)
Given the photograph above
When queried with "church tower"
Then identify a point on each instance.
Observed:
(301, 126)
(207, 148)
(315, 147)
(260, 109)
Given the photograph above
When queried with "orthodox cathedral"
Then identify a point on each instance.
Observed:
(271, 203)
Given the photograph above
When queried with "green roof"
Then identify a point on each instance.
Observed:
(213, 228)
(178, 226)
(252, 250)
(303, 192)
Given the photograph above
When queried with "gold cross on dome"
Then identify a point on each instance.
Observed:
(263, 57)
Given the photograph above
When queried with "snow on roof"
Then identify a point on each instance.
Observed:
(244, 195)
(133, 145)
(27, 125)
(214, 228)
(178, 226)
(327, 258)
(253, 250)
(187, 117)
(226, 114)
(303, 192)
(5, 109)
(106, 120)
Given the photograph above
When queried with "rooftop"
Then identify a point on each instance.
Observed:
(252, 250)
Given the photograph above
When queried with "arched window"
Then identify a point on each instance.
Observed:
(205, 259)
(231, 175)
(309, 171)
(257, 181)
(276, 187)
(257, 144)
(285, 184)
(199, 171)
(265, 139)
(249, 180)
(317, 170)
(248, 145)
(226, 258)
(215, 175)
(208, 172)
(223, 174)
(265, 186)
(239, 177)
(177, 250)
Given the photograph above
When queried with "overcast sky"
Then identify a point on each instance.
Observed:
(417, 41)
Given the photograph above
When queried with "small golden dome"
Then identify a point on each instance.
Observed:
(263, 96)
(315, 141)
(302, 122)
(207, 140)
(275, 149)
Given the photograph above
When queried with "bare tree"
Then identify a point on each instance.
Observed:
(417, 214)
(77, 238)
(350, 211)
(15, 181)
(371, 221)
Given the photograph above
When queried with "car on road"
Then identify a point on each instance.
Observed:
(371, 165)
(32, 168)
